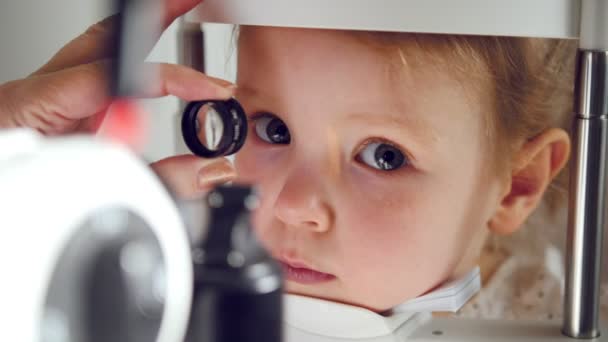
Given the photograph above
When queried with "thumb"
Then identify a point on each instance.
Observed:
(83, 90)
(189, 176)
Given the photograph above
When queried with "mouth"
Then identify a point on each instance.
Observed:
(300, 273)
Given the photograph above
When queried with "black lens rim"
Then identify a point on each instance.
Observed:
(235, 128)
(239, 125)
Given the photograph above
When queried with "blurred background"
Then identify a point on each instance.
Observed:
(31, 31)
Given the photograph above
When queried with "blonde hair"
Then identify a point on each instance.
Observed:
(529, 82)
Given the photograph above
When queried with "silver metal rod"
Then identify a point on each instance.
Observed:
(587, 196)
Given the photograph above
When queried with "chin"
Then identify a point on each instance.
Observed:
(297, 289)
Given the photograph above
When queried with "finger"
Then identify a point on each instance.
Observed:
(189, 176)
(93, 44)
(81, 92)
(89, 47)
(187, 84)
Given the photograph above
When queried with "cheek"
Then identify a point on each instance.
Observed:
(258, 167)
(393, 213)
(247, 163)
(258, 162)
(414, 230)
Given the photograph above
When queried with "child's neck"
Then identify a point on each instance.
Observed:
(490, 259)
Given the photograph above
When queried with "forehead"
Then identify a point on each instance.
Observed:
(348, 71)
(310, 49)
(352, 61)
(289, 38)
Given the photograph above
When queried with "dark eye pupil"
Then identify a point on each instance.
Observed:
(389, 158)
(277, 132)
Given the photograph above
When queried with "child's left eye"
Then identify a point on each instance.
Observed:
(382, 156)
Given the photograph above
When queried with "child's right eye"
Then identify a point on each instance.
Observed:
(272, 129)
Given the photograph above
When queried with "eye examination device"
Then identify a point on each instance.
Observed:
(214, 129)
(93, 253)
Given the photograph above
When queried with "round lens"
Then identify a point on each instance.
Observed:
(213, 128)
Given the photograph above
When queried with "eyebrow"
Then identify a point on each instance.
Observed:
(417, 128)
(247, 90)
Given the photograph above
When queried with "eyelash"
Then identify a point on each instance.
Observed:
(252, 118)
(408, 163)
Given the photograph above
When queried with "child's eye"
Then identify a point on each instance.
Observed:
(272, 130)
(382, 156)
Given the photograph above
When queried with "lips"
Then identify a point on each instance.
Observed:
(300, 273)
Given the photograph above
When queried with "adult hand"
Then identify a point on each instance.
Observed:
(70, 92)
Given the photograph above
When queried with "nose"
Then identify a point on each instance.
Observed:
(302, 204)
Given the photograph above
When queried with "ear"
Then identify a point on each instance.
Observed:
(535, 165)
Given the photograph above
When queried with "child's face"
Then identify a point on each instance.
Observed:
(334, 114)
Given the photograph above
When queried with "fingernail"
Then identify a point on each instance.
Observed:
(225, 88)
(215, 174)
(227, 92)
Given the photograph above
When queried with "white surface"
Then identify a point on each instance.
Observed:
(336, 320)
(49, 192)
(542, 18)
(294, 334)
(449, 297)
(161, 132)
(221, 51)
(594, 26)
(18, 143)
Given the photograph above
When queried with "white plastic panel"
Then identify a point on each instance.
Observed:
(534, 18)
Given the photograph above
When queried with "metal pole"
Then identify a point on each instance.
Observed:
(588, 177)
